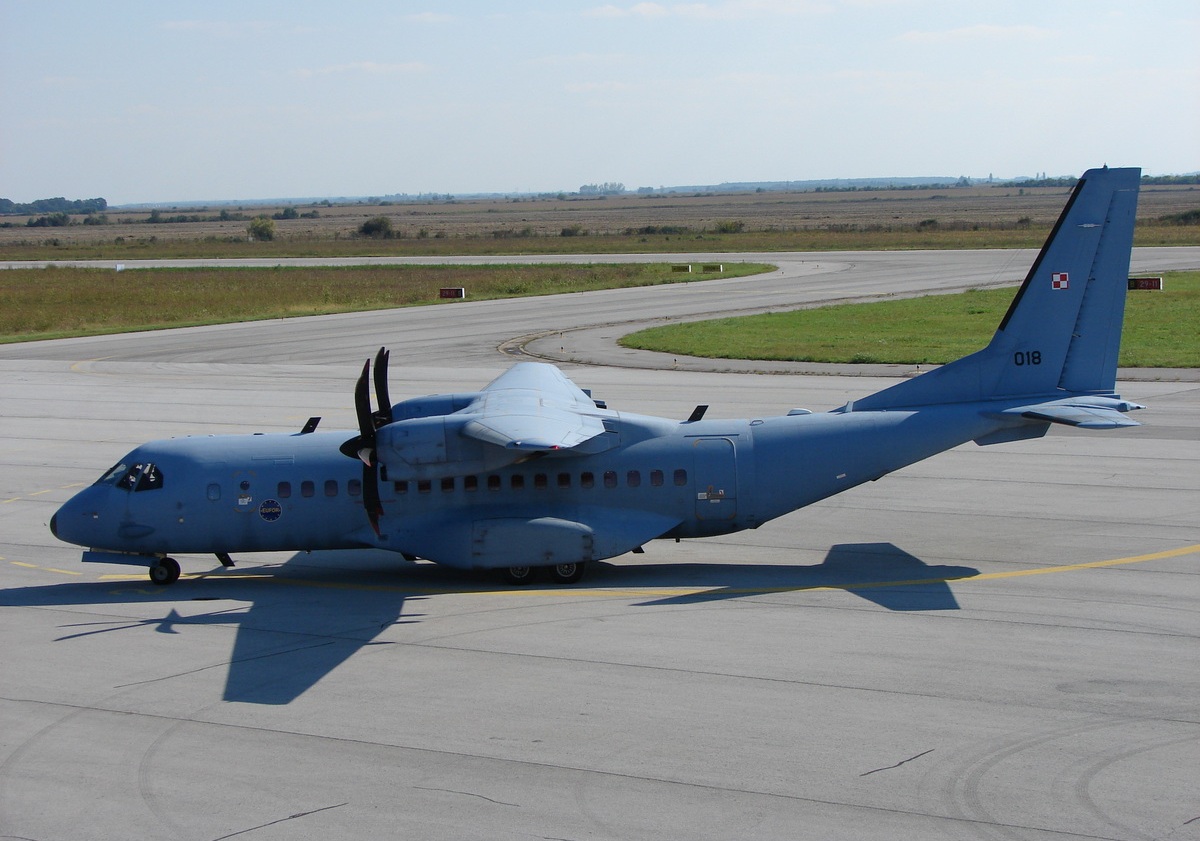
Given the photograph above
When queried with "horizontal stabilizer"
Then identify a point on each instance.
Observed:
(1085, 413)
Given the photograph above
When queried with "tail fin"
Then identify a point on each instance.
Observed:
(1062, 332)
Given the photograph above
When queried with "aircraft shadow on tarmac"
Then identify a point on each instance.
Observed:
(297, 622)
(878, 572)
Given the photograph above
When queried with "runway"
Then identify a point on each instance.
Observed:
(997, 643)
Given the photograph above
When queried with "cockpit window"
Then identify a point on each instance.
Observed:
(151, 478)
(113, 474)
(140, 477)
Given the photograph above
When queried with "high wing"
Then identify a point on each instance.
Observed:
(533, 407)
(529, 410)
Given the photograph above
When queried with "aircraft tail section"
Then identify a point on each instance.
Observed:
(1062, 332)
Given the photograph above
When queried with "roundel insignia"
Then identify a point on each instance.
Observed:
(270, 510)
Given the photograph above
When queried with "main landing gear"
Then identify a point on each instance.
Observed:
(557, 573)
(165, 571)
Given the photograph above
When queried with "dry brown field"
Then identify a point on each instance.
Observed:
(522, 222)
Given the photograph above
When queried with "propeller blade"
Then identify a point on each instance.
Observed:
(371, 501)
(362, 446)
(383, 416)
(362, 407)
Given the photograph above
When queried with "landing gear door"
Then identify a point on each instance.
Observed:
(716, 479)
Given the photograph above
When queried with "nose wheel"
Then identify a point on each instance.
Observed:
(165, 572)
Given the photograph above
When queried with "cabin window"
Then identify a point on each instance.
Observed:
(493, 482)
(401, 487)
(284, 490)
(354, 487)
(564, 480)
(447, 484)
(214, 492)
(633, 478)
(656, 478)
(540, 482)
(517, 483)
(610, 478)
(331, 487)
(424, 486)
(470, 483)
(587, 480)
(680, 477)
(308, 488)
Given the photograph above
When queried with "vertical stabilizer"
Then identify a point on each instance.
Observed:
(1062, 332)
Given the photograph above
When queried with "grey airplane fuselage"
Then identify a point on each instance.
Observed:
(296, 491)
(531, 472)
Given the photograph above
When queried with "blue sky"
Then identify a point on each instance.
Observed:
(182, 101)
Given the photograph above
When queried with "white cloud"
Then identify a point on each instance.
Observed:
(234, 29)
(597, 87)
(727, 10)
(979, 32)
(369, 68)
(639, 10)
(430, 17)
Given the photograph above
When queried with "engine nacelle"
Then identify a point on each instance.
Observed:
(434, 404)
(435, 448)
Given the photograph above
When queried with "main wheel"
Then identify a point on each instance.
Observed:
(566, 573)
(519, 575)
(165, 572)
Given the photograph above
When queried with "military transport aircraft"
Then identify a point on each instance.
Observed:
(532, 477)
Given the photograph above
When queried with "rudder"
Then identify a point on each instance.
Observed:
(1062, 332)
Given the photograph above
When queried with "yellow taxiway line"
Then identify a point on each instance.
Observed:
(640, 592)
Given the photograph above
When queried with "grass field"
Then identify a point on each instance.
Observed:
(57, 302)
(1160, 330)
(983, 216)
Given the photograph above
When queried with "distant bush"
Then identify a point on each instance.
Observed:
(54, 220)
(377, 227)
(575, 230)
(261, 228)
(510, 233)
(668, 230)
(730, 226)
(1187, 217)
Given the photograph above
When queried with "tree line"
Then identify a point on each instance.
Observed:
(55, 205)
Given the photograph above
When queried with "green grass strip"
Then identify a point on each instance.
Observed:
(58, 302)
(1160, 330)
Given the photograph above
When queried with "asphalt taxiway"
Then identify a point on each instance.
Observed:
(997, 643)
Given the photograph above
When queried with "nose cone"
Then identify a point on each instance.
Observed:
(79, 520)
